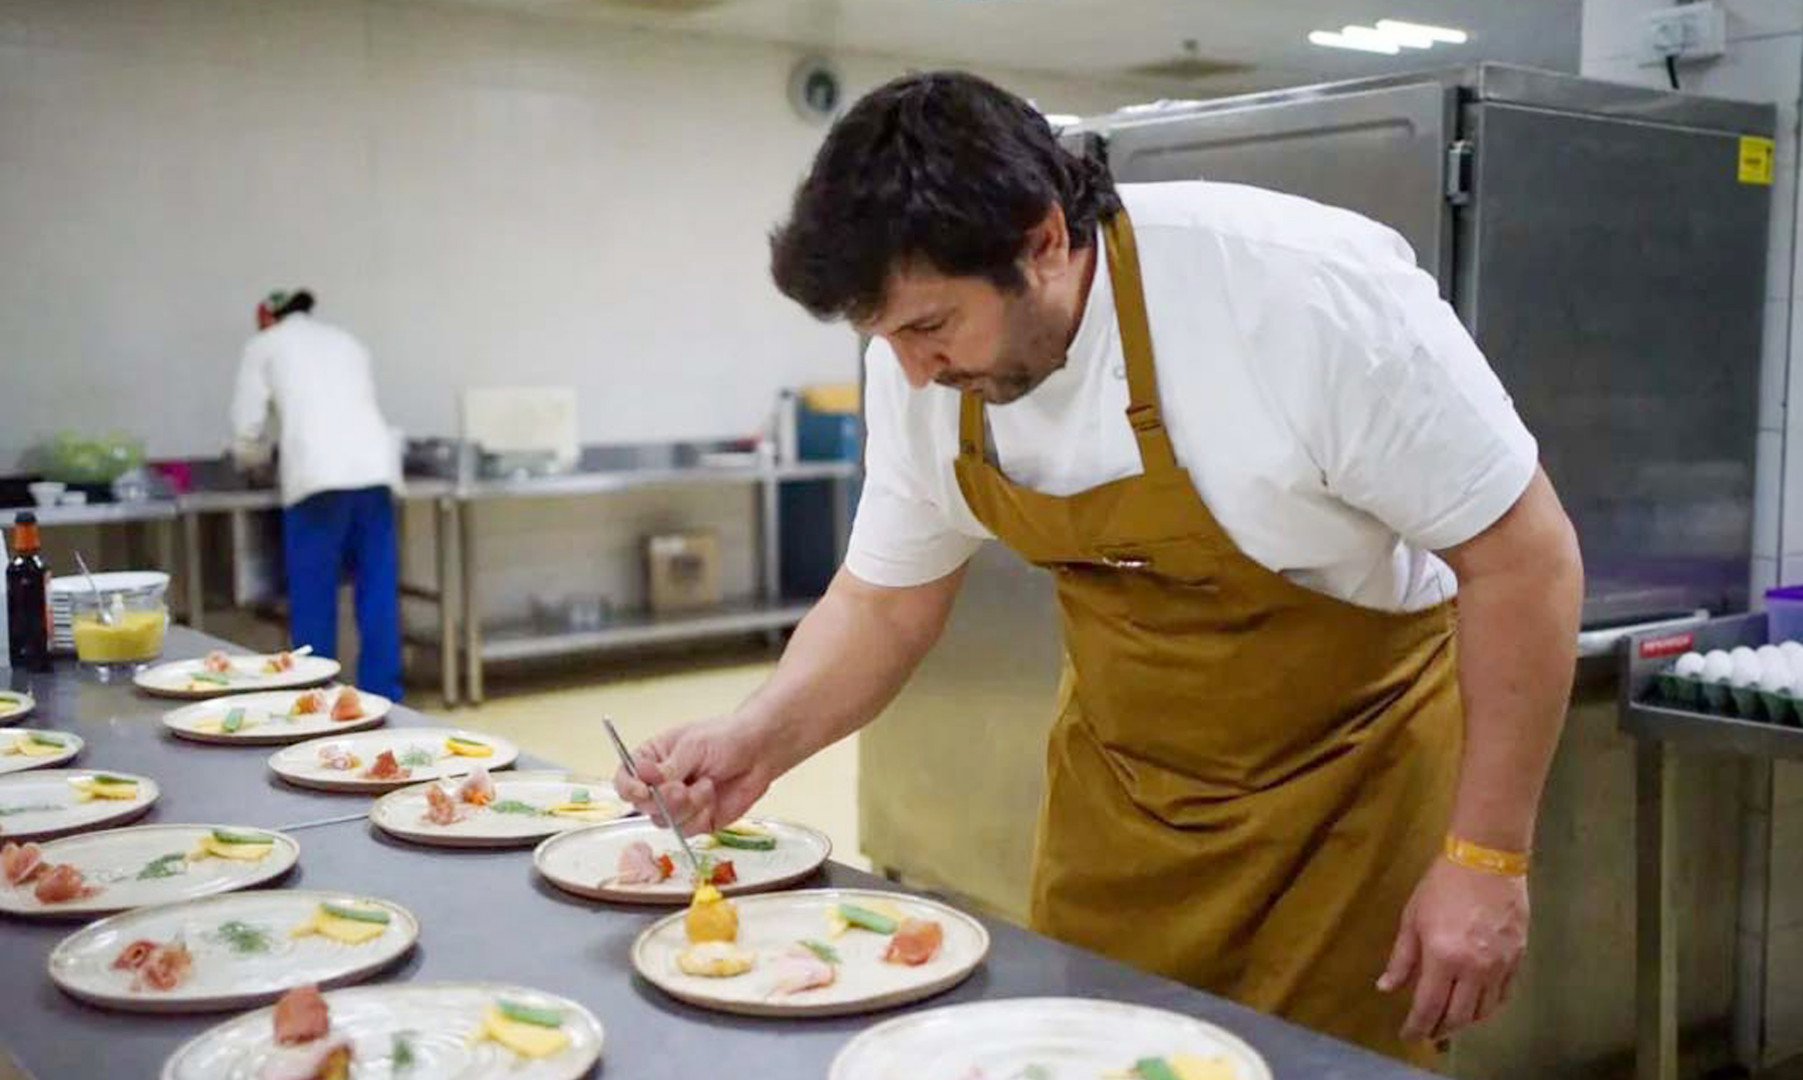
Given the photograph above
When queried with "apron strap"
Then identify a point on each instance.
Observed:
(1155, 453)
(970, 426)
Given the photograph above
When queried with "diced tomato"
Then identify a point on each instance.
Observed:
(666, 866)
(724, 874)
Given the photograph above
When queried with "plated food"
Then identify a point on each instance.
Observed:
(15, 705)
(441, 1031)
(385, 760)
(510, 809)
(112, 870)
(638, 862)
(826, 952)
(219, 673)
(1047, 1039)
(230, 951)
(43, 803)
(282, 716)
(29, 748)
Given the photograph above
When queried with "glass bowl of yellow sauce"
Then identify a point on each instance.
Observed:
(131, 630)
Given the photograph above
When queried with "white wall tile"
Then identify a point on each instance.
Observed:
(1768, 477)
(1613, 27)
(1790, 570)
(1763, 575)
(1791, 519)
(1776, 347)
(1760, 18)
(1763, 69)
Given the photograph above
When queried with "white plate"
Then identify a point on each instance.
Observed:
(1066, 1038)
(114, 858)
(770, 924)
(64, 589)
(12, 762)
(173, 679)
(16, 705)
(441, 1017)
(586, 861)
(40, 804)
(402, 813)
(271, 722)
(82, 965)
(299, 764)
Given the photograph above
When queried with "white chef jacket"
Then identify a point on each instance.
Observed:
(1330, 408)
(311, 381)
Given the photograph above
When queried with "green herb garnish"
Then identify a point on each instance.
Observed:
(211, 678)
(822, 950)
(529, 1014)
(413, 755)
(109, 778)
(402, 1054)
(1034, 1072)
(242, 938)
(164, 866)
(227, 836)
(726, 838)
(31, 808)
(465, 742)
(515, 806)
(359, 914)
(1154, 1069)
(866, 919)
(579, 794)
(45, 740)
(233, 721)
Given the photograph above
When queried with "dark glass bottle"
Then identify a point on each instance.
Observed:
(27, 599)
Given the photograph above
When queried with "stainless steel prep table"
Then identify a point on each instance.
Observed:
(611, 469)
(572, 946)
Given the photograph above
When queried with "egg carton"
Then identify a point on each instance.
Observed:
(1723, 699)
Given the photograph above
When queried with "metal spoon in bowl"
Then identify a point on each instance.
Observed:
(100, 608)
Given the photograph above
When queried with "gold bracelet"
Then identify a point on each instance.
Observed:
(1476, 857)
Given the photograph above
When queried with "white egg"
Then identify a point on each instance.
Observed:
(1793, 651)
(1746, 670)
(1717, 667)
(1776, 679)
(1740, 651)
(1768, 655)
(1689, 666)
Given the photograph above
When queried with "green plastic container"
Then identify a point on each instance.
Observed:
(1715, 697)
(1779, 708)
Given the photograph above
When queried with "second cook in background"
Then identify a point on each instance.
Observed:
(1260, 456)
(306, 386)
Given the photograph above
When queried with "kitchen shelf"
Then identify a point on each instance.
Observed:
(609, 481)
(526, 640)
(1708, 733)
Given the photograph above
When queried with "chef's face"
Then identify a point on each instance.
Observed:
(970, 334)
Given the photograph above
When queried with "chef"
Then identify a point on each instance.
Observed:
(1260, 458)
(306, 387)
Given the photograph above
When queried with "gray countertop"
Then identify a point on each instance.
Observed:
(485, 915)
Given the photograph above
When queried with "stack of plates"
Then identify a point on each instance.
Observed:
(64, 589)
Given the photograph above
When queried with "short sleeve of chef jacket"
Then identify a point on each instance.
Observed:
(1352, 354)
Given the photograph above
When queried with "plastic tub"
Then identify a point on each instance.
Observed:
(1784, 614)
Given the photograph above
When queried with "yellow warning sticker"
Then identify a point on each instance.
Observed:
(1756, 160)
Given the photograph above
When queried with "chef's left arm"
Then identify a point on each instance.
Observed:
(250, 413)
(1411, 426)
(1521, 586)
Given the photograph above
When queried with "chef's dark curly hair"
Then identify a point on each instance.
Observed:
(943, 167)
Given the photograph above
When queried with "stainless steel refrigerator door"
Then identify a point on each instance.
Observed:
(1613, 273)
(1381, 152)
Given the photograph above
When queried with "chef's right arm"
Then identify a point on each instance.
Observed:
(847, 660)
(251, 401)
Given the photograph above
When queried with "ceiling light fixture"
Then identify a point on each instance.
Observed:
(1330, 40)
(1389, 37)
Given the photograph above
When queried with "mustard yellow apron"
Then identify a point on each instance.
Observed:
(1248, 778)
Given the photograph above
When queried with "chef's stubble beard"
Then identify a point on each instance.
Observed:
(1033, 347)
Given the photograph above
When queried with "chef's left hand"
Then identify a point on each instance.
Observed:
(1462, 937)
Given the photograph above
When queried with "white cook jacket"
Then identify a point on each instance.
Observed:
(310, 383)
(1330, 408)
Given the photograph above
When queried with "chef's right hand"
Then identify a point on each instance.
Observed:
(709, 773)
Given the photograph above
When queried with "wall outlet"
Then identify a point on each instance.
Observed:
(1688, 32)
